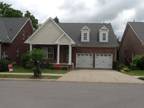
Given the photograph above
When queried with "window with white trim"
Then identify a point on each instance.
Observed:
(103, 34)
(85, 34)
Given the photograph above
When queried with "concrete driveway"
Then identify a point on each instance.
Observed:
(103, 76)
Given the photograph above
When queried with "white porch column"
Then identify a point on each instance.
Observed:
(70, 55)
(58, 54)
(30, 47)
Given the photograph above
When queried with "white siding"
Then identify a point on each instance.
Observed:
(64, 40)
(47, 35)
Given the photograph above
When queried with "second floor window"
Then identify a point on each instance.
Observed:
(85, 36)
(104, 36)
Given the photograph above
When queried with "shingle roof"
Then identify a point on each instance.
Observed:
(138, 28)
(9, 27)
(74, 31)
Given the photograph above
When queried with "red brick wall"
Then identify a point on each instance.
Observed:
(18, 44)
(64, 52)
(130, 46)
(93, 50)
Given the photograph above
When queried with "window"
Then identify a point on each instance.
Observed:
(85, 34)
(103, 34)
(50, 53)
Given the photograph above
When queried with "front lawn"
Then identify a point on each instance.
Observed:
(19, 69)
(135, 72)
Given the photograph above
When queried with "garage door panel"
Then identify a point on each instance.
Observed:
(103, 61)
(84, 60)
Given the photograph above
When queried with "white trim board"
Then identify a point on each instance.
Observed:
(49, 19)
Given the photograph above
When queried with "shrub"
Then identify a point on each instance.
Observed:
(33, 60)
(26, 60)
(125, 69)
(4, 65)
(37, 54)
(138, 62)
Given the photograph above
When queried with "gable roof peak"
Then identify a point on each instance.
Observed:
(85, 28)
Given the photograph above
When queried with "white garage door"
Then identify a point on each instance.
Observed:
(103, 61)
(84, 60)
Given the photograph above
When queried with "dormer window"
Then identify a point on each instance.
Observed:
(85, 32)
(103, 34)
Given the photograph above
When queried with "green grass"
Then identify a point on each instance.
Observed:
(19, 69)
(135, 72)
(28, 76)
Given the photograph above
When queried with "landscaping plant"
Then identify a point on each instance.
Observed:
(33, 60)
(138, 62)
(4, 65)
(37, 56)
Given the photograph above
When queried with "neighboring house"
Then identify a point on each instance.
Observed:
(13, 33)
(82, 45)
(132, 42)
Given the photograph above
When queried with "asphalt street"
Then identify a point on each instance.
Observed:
(44, 94)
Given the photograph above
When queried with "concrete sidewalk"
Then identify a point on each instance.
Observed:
(103, 76)
(11, 73)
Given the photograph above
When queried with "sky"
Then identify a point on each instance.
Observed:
(116, 12)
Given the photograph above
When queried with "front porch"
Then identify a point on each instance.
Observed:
(56, 54)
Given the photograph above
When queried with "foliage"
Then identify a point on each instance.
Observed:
(4, 65)
(56, 19)
(13, 13)
(3, 8)
(136, 72)
(122, 68)
(37, 54)
(33, 19)
(26, 60)
(34, 59)
(7, 11)
(138, 62)
(125, 69)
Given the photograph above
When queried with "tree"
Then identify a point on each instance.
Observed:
(7, 11)
(33, 19)
(56, 19)
(3, 8)
(13, 13)
(37, 56)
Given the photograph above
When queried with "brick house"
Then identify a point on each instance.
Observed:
(132, 42)
(13, 33)
(81, 45)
